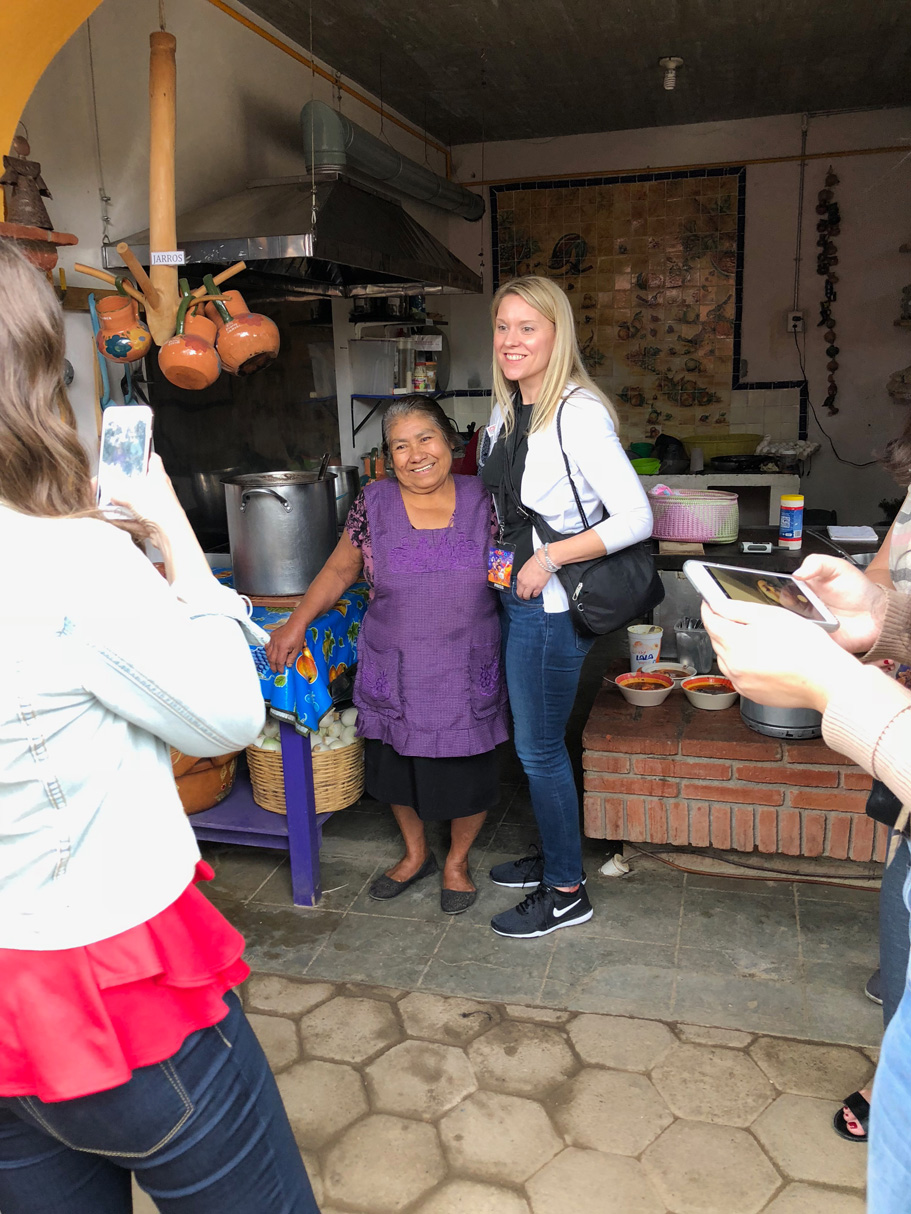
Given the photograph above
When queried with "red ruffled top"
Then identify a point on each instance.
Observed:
(80, 1020)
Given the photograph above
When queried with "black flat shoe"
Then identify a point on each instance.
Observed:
(861, 1110)
(457, 901)
(385, 887)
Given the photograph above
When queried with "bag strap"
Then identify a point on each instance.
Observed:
(586, 525)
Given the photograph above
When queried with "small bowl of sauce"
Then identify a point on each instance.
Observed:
(644, 689)
(709, 691)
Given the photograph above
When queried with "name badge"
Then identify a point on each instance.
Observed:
(499, 565)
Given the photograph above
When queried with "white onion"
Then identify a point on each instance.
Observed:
(271, 729)
(349, 716)
(334, 730)
(260, 738)
(314, 741)
(273, 744)
(348, 735)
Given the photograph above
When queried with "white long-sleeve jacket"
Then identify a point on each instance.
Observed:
(102, 666)
(601, 473)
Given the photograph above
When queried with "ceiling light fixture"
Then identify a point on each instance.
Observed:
(670, 64)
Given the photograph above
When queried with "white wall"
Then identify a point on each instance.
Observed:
(238, 104)
(873, 196)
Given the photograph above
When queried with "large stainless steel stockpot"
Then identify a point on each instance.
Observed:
(282, 530)
(347, 487)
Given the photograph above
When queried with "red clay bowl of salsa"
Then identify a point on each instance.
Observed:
(709, 691)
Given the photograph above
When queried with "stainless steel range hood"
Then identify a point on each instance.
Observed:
(362, 244)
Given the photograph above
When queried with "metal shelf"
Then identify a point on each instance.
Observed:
(377, 400)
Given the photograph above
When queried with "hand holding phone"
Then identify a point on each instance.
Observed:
(126, 442)
(722, 584)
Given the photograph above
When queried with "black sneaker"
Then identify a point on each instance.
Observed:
(519, 874)
(542, 912)
(524, 873)
(874, 988)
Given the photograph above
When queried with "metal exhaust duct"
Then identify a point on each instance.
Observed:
(333, 143)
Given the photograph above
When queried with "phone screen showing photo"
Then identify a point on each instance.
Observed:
(747, 586)
(124, 447)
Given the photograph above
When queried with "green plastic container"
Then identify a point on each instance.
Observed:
(641, 450)
(646, 467)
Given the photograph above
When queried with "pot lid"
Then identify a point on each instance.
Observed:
(257, 480)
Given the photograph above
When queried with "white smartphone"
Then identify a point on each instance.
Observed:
(126, 441)
(718, 583)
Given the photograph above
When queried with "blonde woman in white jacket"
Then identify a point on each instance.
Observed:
(537, 368)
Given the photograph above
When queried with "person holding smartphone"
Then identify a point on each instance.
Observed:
(777, 658)
(123, 1048)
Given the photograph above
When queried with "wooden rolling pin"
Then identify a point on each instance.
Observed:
(162, 316)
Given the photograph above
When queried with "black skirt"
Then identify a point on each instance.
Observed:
(436, 789)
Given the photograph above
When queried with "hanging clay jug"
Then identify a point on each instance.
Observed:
(122, 337)
(188, 359)
(246, 341)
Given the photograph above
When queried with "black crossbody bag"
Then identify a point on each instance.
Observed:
(604, 593)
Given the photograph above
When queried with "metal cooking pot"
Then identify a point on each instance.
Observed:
(347, 487)
(781, 722)
(209, 498)
(281, 526)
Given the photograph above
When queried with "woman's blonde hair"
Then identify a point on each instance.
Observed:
(565, 366)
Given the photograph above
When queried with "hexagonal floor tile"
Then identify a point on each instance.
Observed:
(609, 1111)
(269, 993)
(699, 1168)
(797, 1133)
(446, 1020)
(597, 1182)
(349, 1030)
(320, 1099)
(538, 1015)
(498, 1138)
(807, 1199)
(702, 1034)
(420, 1079)
(705, 1083)
(469, 1197)
(619, 1041)
(278, 1037)
(805, 1069)
(383, 1164)
(524, 1059)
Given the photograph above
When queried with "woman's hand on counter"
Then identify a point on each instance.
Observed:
(777, 658)
(857, 603)
(286, 642)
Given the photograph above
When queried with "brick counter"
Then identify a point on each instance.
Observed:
(679, 774)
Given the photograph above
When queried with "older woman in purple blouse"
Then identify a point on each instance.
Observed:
(429, 690)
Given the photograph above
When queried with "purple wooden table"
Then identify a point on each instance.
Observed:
(238, 819)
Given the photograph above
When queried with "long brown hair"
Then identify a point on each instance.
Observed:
(44, 469)
(565, 366)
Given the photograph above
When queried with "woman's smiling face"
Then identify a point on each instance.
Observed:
(421, 454)
(523, 342)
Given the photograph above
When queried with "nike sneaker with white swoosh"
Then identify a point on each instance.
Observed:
(542, 912)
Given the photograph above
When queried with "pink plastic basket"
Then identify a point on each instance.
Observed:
(695, 516)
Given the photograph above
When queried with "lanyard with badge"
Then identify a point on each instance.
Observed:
(501, 556)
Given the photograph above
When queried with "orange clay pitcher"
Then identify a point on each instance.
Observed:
(122, 337)
(246, 341)
(188, 359)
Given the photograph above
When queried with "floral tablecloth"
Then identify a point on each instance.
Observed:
(300, 695)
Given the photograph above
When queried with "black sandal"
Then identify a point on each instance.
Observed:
(861, 1110)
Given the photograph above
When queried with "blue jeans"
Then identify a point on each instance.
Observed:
(204, 1132)
(894, 945)
(889, 1158)
(543, 659)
